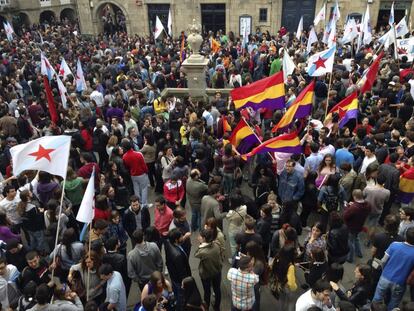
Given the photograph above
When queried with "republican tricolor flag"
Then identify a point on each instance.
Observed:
(49, 154)
(301, 108)
(406, 194)
(346, 109)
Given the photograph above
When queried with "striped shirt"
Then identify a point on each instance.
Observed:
(242, 288)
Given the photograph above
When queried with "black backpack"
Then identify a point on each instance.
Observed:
(331, 201)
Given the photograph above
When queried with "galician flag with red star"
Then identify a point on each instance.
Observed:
(321, 63)
(49, 154)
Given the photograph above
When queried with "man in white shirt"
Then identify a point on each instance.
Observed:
(9, 203)
(318, 296)
(97, 97)
(369, 158)
(208, 117)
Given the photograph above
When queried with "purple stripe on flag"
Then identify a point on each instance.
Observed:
(352, 114)
(247, 144)
(405, 197)
(271, 103)
(294, 150)
(303, 111)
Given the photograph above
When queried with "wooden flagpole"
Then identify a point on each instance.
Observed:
(58, 226)
(327, 97)
(258, 138)
(89, 269)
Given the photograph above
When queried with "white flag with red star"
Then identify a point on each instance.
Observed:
(62, 92)
(321, 63)
(159, 28)
(64, 70)
(49, 154)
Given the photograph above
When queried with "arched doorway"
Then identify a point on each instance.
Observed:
(111, 18)
(2, 21)
(20, 21)
(47, 17)
(67, 16)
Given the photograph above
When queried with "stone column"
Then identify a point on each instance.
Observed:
(195, 66)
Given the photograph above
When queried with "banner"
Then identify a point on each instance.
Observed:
(406, 47)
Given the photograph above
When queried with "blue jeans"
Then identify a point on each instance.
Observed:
(178, 293)
(354, 246)
(37, 240)
(140, 184)
(195, 220)
(228, 182)
(395, 290)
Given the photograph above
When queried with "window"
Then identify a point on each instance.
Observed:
(263, 15)
(45, 2)
(4, 2)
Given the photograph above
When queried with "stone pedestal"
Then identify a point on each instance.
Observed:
(195, 67)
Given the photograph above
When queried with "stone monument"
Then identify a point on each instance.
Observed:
(195, 65)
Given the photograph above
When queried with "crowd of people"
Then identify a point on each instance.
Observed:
(170, 186)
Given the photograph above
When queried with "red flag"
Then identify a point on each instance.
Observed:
(50, 101)
(369, 78)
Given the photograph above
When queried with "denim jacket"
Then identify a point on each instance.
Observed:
(291, 186)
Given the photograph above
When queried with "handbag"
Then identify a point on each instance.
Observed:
(275, 286)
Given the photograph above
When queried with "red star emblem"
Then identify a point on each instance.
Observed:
(42, 153)
(341, 112)
(320, 63)
(62, 71)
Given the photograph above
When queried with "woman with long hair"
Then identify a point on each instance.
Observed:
(282, 277)
(78, 278)
(68, 252)
(315, 238)
(167, 162)
(235, 218)
(160, 287)
(192, 296)
(112, 143)
(337, 239)
(326, 167)
(255, 251)
(32, 221)
(361, 292)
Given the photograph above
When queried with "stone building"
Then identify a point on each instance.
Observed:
(138, 16)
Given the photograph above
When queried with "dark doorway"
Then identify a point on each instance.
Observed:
(160, 10)
(213, 17)
(112, 18)
(384, 15)
(293, 10)
(20, 21)
(47, 17)
(68, 15)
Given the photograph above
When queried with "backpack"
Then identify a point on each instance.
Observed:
(331, 201)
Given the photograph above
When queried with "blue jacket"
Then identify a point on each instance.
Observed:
(291, 186)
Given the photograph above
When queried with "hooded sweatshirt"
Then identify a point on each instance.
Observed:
(143, 260)
(74, 190)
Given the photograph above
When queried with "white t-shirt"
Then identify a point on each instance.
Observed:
(306, 301)
(367, 161)
(97, 97)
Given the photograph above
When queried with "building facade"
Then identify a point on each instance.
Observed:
(138, 16)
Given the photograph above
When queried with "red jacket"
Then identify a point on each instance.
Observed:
(355, 215)
(86, 171)
(173, 193)
(87, 138)
(134, 162)
(163, 220)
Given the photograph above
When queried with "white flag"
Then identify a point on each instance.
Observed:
(62, 92)
(64, 69)
(46, 68)
(159, 28)
(332, 34)
(300, 29)
(326, 32)
(391, 20)
(48, 153)
(402, 29)
(86, 209)
(321, 63)
(336, 13)
(320, 16)
(387, 39)
(80, 78)
(366, 27)
(169, 23)
(350, 32)
(9, 30)
(311, 40)
(287, 64)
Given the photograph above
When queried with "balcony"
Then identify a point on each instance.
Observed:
(45, 3)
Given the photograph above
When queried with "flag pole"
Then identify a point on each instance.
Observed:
(89, 269)
(395, 46)
(58, 226)
(327, 97)
(258, 138)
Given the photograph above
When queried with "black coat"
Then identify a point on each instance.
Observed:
(337, 242)
(361, 292)
(130, 224)
(177, 262)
